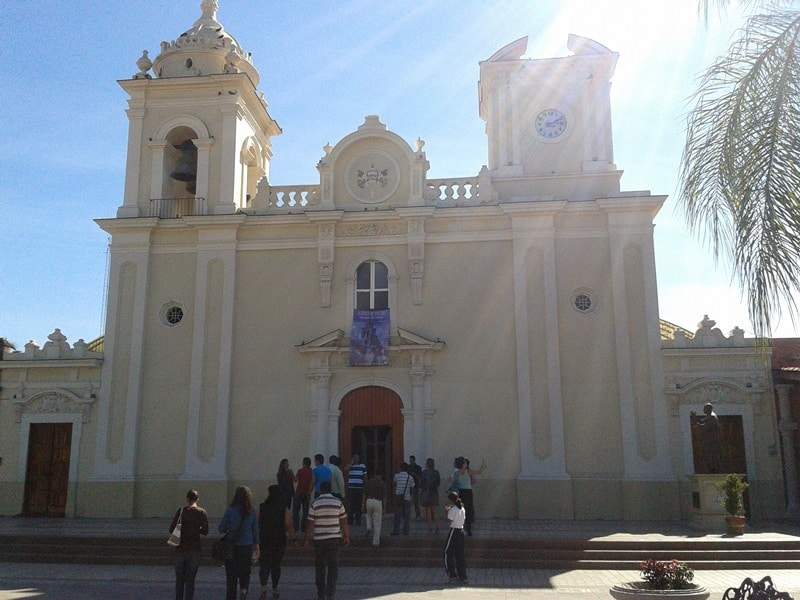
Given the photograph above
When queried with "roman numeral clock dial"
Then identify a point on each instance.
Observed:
(550, 124)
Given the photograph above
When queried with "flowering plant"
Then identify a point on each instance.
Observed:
(666, 574)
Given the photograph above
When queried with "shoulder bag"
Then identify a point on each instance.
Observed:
(222, 549)
(175, 537)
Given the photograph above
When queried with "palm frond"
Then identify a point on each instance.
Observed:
(740, 171)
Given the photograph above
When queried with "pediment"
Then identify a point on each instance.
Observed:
(372, 168)
(337, 341)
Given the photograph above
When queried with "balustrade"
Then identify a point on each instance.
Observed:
(293, 196)
(452, 191)
(175, 208)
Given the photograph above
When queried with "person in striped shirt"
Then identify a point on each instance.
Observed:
(356, 476)
(327, 526)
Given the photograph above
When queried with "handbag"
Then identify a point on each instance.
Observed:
(175, 537)
(222, 549)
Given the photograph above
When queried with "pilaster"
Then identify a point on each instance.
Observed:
(130, 203)
(630, 227)
(203, 164)
(128, 247)
(533, 227)
(213, 244)
(229, 155)
(157, 169)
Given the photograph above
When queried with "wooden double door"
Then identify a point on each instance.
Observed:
(47, 473)
(371, 425)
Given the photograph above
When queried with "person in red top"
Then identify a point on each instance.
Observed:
(302, 495)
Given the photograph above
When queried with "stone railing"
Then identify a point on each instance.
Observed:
(56, 347)
(452, 191)
(292, 197)
(175, 208)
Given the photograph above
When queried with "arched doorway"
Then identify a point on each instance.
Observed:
(371, 424)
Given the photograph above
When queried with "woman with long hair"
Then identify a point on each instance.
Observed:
(286, 480)
(454, 562)
(274, 524)
(240, 525)
(429, 484)
(461, 483)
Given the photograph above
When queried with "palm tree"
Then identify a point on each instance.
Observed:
(740, 170)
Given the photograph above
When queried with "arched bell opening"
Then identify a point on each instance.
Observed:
(180, 164)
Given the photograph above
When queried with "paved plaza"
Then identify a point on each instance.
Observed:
(74, 582)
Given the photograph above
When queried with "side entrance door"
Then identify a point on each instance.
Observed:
(47, 474)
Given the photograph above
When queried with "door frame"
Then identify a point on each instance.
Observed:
(723, 408)
(76, 420)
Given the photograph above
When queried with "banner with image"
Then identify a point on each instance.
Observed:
(369, 338)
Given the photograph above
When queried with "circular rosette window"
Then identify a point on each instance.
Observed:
(372, 177)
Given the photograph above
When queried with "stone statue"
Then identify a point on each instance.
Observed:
(711, 440)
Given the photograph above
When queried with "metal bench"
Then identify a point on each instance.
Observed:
(752, 590)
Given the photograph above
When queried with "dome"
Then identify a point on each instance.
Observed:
(204, 49)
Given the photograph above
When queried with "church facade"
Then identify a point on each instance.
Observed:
(522, 309)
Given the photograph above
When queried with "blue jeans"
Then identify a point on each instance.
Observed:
(402, 513)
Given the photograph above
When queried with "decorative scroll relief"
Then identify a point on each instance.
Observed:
(55, 402)
(373, 177)
(716, 392)
(370, 229)
(325, 255)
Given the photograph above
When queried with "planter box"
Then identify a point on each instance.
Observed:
(637, 590)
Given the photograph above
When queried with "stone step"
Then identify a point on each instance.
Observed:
(351, 559)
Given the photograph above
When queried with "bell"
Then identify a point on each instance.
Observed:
(186, 166)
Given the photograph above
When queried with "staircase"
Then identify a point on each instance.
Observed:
(427, 551)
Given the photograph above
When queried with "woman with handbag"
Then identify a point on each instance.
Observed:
(240, 526)
(188, 524)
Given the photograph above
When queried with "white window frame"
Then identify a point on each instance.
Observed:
(350, 287)
(372, 290)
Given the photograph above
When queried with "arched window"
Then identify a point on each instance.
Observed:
(180, 164)
(372, 286)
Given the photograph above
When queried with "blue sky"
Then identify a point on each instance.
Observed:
(324, 65)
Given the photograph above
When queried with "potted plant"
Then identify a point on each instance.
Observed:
(732, 489)
(661, 579)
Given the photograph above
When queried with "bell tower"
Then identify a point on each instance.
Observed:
(548, 117)
(199, 129)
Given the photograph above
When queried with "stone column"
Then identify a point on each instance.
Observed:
(203, 162)
(130, 204)
(787, 427)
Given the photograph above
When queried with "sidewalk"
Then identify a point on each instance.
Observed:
(361, 582)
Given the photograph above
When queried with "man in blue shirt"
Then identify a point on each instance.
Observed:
(320, 474)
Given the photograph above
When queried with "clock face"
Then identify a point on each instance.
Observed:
(551, 123)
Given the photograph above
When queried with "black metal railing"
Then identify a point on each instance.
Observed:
(175, 208)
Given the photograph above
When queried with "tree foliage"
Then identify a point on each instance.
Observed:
(740, 172)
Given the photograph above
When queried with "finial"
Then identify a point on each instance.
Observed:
(327, 149)
(209, 8)
(420, 144)
(145, 64)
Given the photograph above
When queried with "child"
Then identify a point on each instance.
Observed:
(454, 562)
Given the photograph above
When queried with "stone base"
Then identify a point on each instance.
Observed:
(638, 591)
(544, 499)
(706, 511)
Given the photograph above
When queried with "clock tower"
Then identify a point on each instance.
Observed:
(548, 117)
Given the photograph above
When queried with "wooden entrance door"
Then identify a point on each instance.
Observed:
(733, 458)
(47, 474)
(371, 425)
